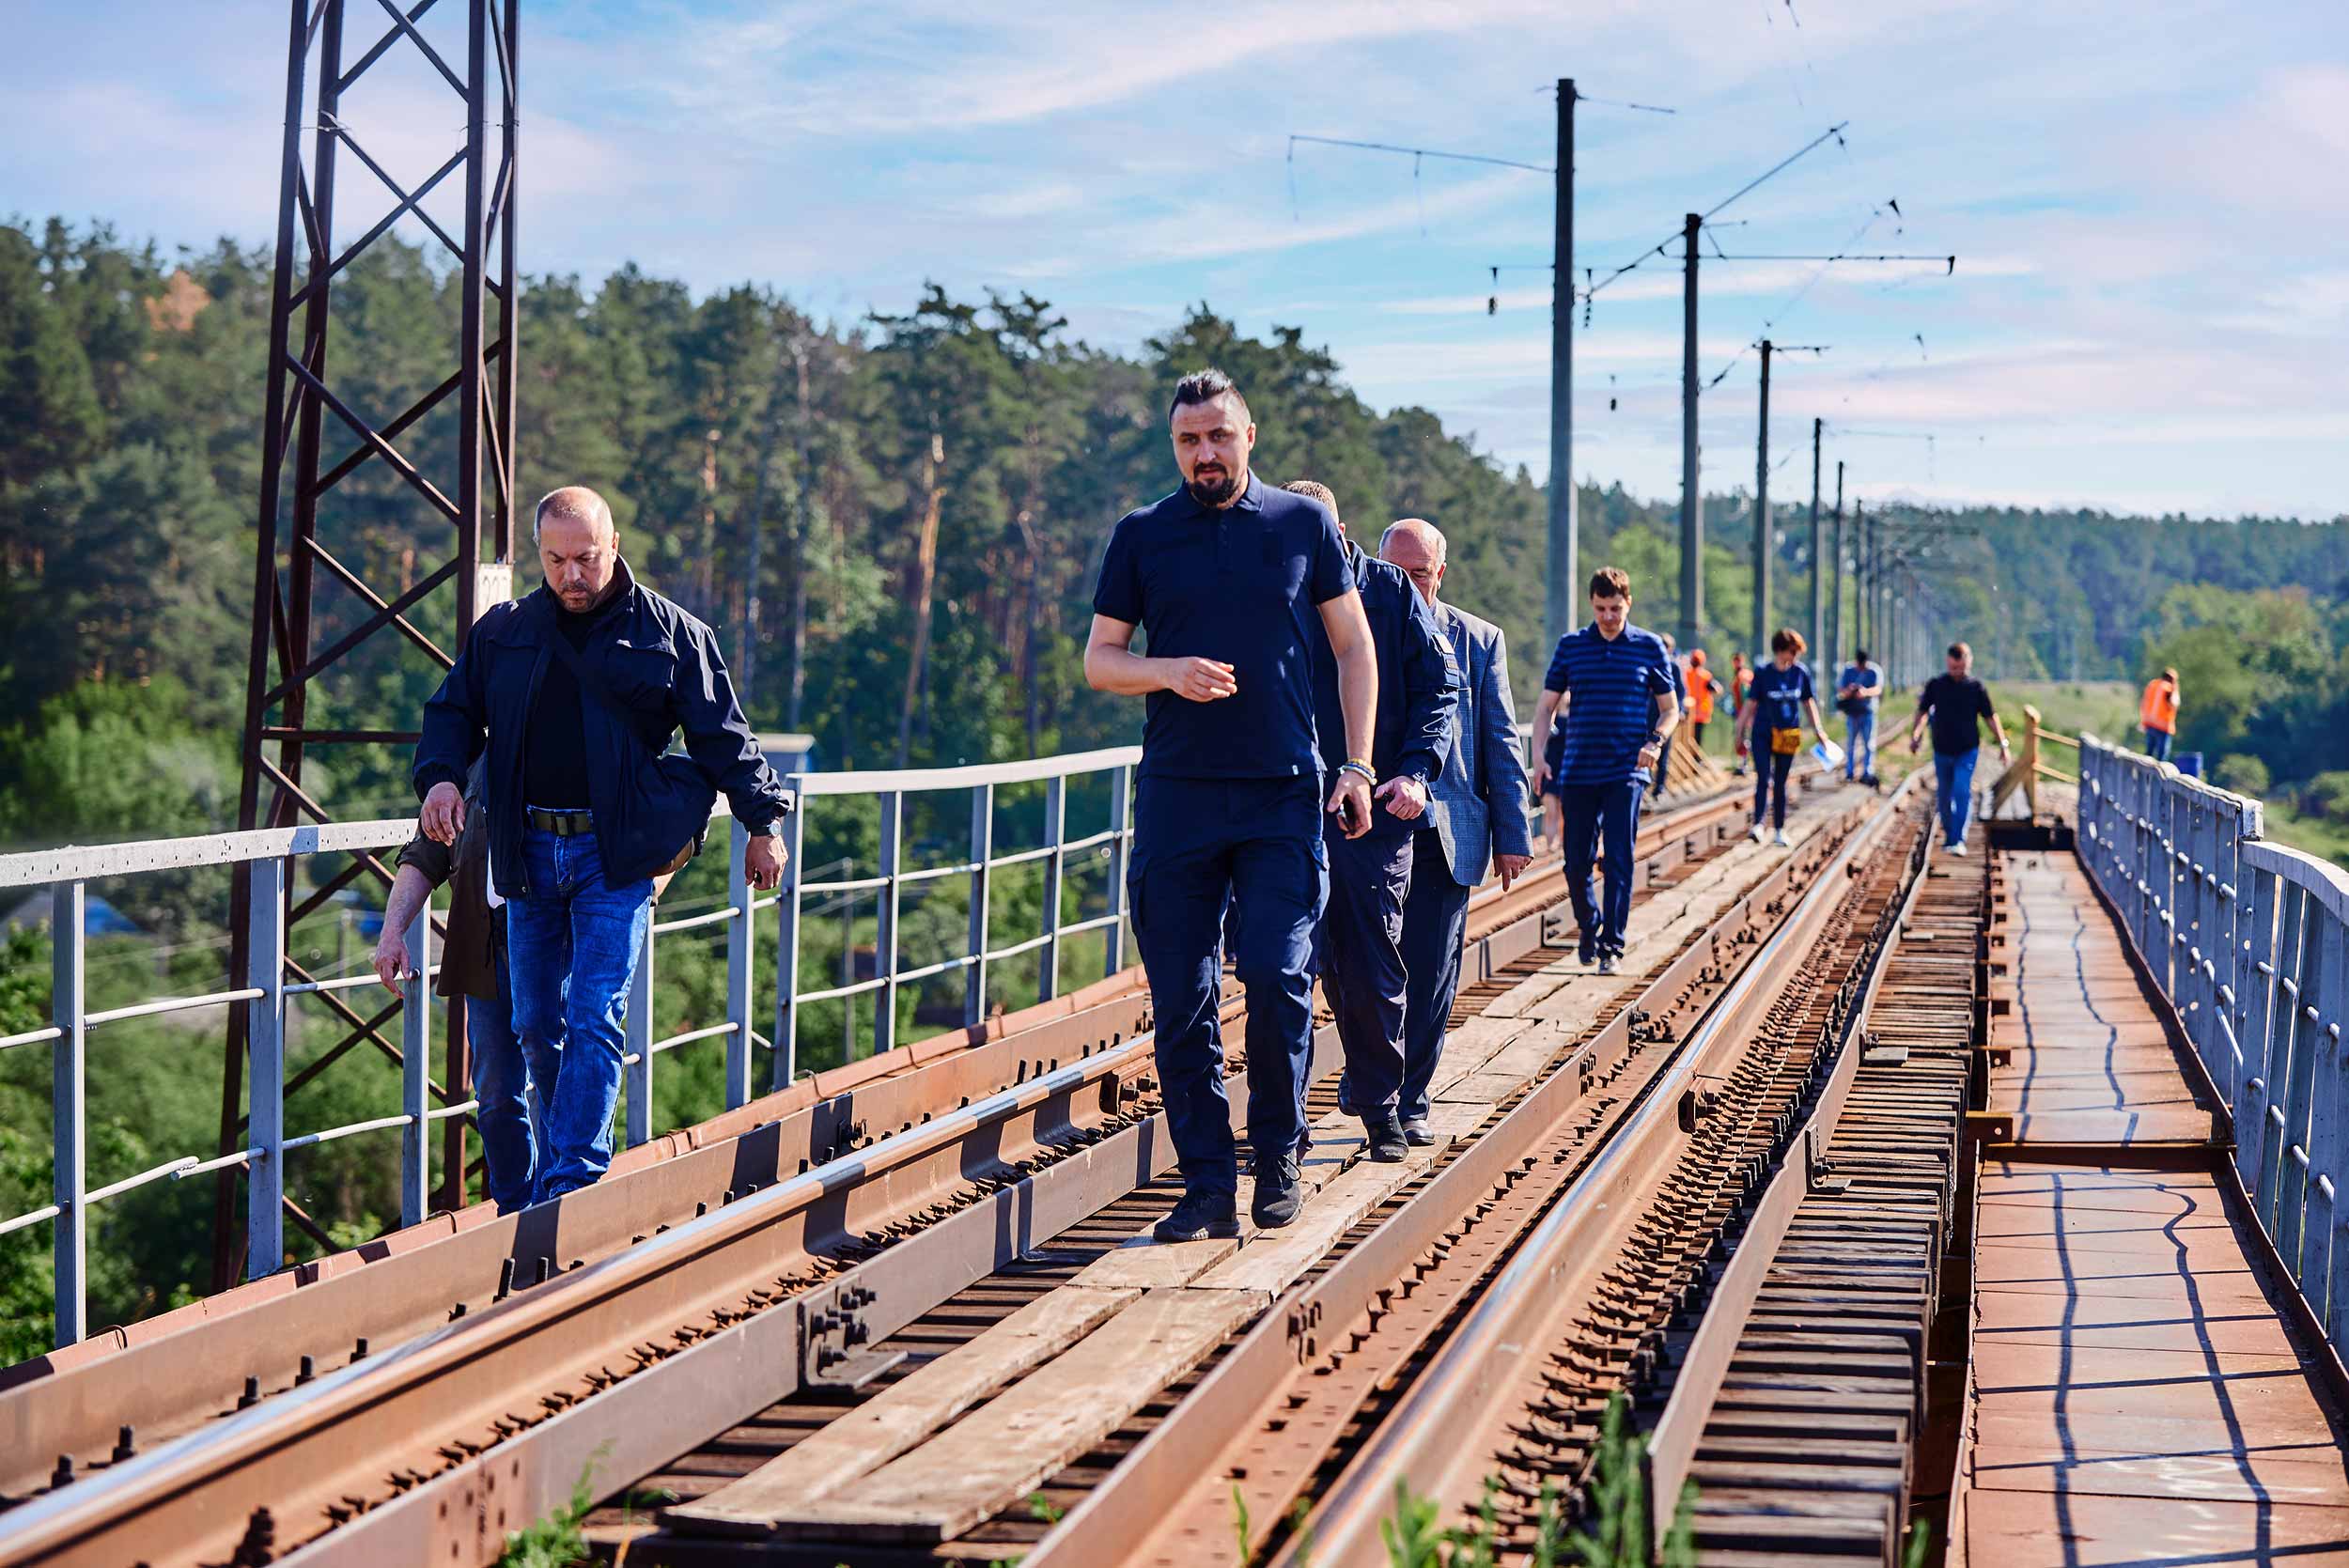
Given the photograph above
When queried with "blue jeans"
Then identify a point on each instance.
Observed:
(573, 943)
(512, 1081)
(1435, 924)
(2158, 744)
(1597, 814)
(1860, 744)
(1953, 791)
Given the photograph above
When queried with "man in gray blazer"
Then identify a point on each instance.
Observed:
(1476, 814)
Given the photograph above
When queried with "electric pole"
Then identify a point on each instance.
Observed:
(1836, 643)
(1564, 570)
(1761, 520)
(1864, 612)
(1692, 499)
(1821, 650)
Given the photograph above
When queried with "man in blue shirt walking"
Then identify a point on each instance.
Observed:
(1228, 577)
(1615, 683)
(1857, 692)
(1357, 947)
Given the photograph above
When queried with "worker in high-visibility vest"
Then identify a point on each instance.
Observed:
(1740, 677)
(1703, 686)
(2157, 710)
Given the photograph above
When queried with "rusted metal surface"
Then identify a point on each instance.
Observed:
(368, 1416)
(1581, 1307)
(2139, 1389)
(1486, 956)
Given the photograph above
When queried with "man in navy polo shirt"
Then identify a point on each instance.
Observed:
(1357, 947)
(1615, 683)
(1227, 577)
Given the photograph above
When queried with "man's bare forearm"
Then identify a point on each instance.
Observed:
(1357, 694)
(1667, 714)
(410, 892)
(1124, 671)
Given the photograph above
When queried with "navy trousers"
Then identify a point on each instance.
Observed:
(1200, 844)
(1597, 814)
(1357, 951)
(1435, 922)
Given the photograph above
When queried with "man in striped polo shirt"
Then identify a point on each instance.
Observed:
(1613, 682)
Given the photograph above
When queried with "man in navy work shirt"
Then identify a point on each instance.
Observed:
(1228, 577)
(1357, 947)
(1857, 690)
(1615, 683)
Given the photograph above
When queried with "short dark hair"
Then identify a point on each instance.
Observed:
(1859, 655)
(1787, 640)
(1206, 386)
(1611, 582)
(1313, 489)
(1959, 650)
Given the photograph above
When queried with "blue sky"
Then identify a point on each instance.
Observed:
(2151, 308)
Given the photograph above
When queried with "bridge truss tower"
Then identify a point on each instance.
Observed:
(369, 509)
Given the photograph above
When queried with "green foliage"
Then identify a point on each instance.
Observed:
(2244, 775)
(1914, 1553)
(556, 1540)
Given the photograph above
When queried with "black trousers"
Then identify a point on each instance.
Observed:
(1435, 924)
(1358, 949)
(1769, 783)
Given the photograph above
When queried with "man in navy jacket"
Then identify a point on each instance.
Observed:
(1477, 817)
(577, 690)
(1358, 944)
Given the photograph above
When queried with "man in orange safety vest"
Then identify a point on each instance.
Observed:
(2157, 710)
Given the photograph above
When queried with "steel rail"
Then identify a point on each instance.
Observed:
(147, 1381)
(1247, 1383)
(1426, 1437)
(1703, 1363)
(365, 1405)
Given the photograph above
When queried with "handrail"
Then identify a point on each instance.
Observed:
(2250, 940)
(268, 988)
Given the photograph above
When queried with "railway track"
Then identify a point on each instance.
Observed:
(484, 1340)
(1283, 1409)
(1600, 1050)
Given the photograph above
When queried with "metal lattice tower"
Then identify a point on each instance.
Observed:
(310, 571)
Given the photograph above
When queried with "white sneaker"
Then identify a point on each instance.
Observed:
(1755, 833)
(1781, 839)
(1959, 848)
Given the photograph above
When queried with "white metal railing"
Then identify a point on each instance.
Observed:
(2251, 943)
(268, 990)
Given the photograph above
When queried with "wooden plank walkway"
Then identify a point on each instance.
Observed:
(973, 1432)
(2136, 1395)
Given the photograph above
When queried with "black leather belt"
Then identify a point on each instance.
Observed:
(562, 824)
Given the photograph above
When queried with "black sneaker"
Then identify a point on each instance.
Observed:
(1586, 953)
(1415, 1132)
(1279, 1193)
(1606, 963)
(1387, 1144)
(1200, 1214)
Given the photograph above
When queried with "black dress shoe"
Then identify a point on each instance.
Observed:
(1415, 1132)
(1279, 1193)
(1387, 1144)
(1200, 1214)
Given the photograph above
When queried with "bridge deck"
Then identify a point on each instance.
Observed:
(2137, 1394)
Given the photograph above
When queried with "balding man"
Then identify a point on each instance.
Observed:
(1476, 817)
(578, 690)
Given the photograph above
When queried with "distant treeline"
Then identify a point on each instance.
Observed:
(923, 496)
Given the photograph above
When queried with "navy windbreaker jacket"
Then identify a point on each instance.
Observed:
(656, 662)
